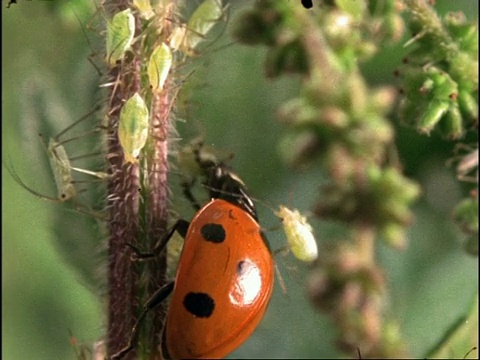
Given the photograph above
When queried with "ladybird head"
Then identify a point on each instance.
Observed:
(220, 181)
(224, 184)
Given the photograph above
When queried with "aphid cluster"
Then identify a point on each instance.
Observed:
(163, 52)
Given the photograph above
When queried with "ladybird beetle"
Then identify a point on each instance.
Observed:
(223, 284)
(225, 274)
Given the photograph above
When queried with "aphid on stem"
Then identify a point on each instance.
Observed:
(133, 127)
(144, 7)
(187, 37)
(62, 169)
(120, 32)
(159, 66)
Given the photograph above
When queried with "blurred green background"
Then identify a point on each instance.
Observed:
(45, 296)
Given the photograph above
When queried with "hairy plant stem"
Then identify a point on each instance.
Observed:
(122, 202)
(137, 204)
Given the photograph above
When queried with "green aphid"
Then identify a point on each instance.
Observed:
(120, 32)
(187, 37)
(299, 234)
(203, 20)
(62, 170)
(145, 8)
(159, 66)
(133, 128)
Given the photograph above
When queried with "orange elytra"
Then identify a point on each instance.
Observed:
(223, 284)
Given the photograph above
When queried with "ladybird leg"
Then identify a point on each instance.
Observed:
(151, 303)
(187, 192)
(181, 226)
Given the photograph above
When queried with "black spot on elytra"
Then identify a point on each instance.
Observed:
(213, 232)
(199, 304)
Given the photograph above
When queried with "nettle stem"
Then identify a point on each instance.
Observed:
(123, 227)
(137, 199)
